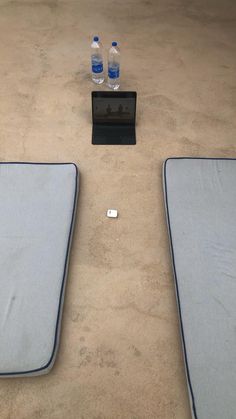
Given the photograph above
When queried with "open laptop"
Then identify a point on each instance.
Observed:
(114, 117)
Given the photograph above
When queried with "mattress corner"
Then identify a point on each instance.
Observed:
(75, 167)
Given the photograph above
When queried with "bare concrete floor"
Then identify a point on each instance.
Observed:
(120, 353)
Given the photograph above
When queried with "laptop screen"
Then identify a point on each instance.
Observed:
(118, 108)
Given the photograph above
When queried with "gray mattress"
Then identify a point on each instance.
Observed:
(37, 212)
(200, 198)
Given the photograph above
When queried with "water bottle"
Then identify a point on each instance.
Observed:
(97, 61)
(114, 67)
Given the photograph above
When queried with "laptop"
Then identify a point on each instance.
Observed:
(113, 116)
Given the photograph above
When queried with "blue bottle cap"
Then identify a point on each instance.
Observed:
(96, 39)
(114, 44)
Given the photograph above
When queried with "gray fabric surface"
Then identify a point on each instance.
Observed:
(200, 197)
(37, 208)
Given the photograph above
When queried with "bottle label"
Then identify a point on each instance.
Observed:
(114, 72)
(97, 65)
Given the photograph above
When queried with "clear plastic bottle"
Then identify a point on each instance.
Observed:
(114, 67)
(97, 61)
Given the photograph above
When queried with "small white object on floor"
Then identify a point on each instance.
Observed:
(112, 213)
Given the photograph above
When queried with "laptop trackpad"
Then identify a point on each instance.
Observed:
(113, 135)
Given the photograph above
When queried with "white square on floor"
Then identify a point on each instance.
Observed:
(112, 213)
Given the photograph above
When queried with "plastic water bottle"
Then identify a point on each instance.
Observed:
(114, 67)
(97, 61)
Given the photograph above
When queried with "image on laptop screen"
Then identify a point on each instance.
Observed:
(118, 108)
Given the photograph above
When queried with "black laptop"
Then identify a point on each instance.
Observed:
(114, 117)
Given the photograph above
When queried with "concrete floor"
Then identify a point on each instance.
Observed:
(120, 353)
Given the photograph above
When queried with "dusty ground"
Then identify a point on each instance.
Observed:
(120, 354)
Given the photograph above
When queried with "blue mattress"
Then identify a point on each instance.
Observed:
(200, 199)
(37, 213)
